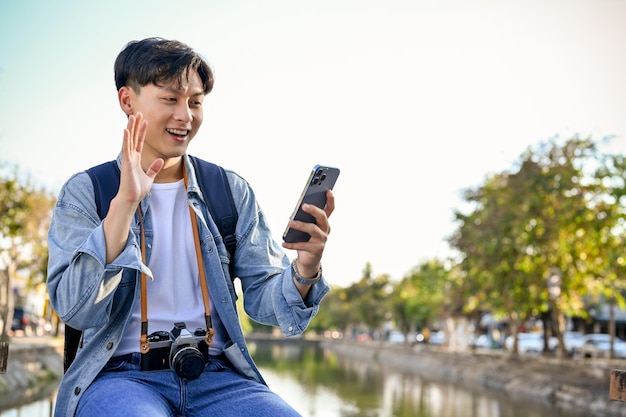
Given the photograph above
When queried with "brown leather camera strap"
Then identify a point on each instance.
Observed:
(203, 282)
(144, 343)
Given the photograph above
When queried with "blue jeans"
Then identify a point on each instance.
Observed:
(123, 389)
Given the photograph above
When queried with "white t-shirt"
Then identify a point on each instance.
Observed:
(174, 295)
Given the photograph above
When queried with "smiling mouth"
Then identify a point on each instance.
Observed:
(181, 133)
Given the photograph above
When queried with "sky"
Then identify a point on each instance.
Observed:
(415, 101)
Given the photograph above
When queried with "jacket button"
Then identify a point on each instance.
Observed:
(109, 345)
(76, 390)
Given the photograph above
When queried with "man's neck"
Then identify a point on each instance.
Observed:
(172, 171)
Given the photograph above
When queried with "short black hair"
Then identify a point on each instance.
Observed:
(159, 61)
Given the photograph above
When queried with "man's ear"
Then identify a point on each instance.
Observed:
(125, 95)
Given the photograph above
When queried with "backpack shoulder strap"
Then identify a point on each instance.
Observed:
(106, 181)
(72, 338)
(216, 189)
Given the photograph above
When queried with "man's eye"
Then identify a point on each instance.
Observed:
(170, 99)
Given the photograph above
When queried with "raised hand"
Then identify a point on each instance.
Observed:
(135, 183)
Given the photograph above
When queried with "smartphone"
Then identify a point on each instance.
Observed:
(321, 179)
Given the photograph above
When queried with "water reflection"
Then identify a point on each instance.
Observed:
(31, 404)
(41, 408)
(319, 383)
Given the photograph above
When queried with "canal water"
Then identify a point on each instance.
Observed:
(318, 383)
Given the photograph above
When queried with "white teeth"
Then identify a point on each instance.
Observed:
(177, 132)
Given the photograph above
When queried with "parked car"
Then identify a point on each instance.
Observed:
(573, 341)
(484, 342)
(530, 343)
(437, 338)
(598, 345)
(396, 338)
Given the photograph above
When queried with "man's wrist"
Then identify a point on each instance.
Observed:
(302, 280)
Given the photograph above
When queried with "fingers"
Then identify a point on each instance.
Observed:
(319, 231)
(141, 132)
(330, 203)
(134, 134)
(135, 183)
(321, 227)
(155, 167)
(321, 216)
(134, 138)
(137, 127)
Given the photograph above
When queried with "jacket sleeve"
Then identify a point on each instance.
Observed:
(80, 284)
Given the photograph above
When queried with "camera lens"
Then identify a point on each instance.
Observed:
(188, 362)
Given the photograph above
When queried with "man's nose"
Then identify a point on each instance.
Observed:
(183, 112)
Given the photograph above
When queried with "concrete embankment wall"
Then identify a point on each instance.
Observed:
(33, 372)
(568, 383)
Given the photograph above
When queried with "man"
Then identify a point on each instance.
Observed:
(97, 278)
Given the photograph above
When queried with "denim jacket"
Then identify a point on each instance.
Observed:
(98, 298)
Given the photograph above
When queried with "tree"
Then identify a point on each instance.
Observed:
(25, 212)
(368, 299)
(492, 257)
(559, 209)
(422, 296)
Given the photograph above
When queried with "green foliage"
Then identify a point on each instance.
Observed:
(25, 213)
(422, 296)
(368, 298)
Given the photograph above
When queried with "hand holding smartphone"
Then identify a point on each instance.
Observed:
(321, 179)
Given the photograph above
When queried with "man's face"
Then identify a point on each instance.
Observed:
(174, 114)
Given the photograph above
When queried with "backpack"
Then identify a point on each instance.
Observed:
(216, 190)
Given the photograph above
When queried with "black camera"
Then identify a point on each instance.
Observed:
(183, 352)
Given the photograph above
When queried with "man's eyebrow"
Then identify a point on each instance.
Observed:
(177, 90)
